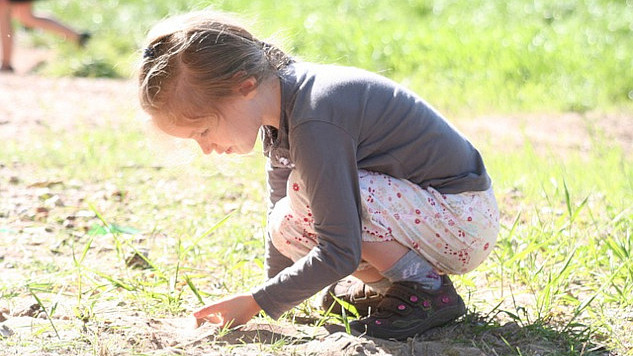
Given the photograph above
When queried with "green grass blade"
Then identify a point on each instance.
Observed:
(48, 316)
(193, 288)
(115, 281)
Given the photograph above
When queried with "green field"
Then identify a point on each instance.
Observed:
(561, 274)
(466, 56)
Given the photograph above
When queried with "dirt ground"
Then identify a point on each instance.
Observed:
(29, 103)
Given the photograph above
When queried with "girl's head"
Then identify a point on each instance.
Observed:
(193, 63)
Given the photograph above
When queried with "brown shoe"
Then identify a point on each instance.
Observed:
(409, 309)
(353, 291)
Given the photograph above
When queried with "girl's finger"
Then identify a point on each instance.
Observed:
(203, 312)
(213, 318)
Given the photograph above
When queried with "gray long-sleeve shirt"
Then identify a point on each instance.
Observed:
(336, 120)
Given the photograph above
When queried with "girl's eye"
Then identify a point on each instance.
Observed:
(204, 133)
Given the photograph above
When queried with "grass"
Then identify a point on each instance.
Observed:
(562, 270)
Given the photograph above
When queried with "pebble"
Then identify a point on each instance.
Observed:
(5, 332)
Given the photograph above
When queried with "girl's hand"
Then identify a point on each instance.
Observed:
(233, 311)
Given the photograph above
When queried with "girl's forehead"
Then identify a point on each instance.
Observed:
(174, 127)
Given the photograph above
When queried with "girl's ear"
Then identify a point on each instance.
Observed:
(247, 87)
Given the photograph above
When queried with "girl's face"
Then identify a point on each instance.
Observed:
(234, 130)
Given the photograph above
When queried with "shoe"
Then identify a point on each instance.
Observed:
(6, 69)
(84, 37)
(409, 309)
(353, 291)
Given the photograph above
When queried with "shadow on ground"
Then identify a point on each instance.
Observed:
(470, 336)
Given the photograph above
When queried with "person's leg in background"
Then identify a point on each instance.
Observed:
(6, 34)
(23, 12)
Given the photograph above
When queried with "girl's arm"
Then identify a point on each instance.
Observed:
(325, 159)
(239, 309)
(276, 179)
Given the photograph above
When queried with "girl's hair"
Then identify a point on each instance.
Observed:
(194, 60)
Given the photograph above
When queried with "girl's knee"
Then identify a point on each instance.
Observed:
(289, 232)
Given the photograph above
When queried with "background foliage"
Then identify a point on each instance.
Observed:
(571, 55)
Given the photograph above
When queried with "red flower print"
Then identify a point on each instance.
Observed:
(295, 187)
(470, 218)
(486, 246)
(417, 221)
(417, 211)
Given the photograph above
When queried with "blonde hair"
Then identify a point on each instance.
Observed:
(195, 60)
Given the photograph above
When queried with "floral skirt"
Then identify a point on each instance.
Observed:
(454, 232)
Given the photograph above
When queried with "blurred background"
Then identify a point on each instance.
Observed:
(464, 56)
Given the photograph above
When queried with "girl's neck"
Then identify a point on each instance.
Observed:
(270, 96)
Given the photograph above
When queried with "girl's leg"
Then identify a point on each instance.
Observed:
(403, 226)
(454, 233)
(23, 12)
(396, 262)
(291, 233)
(6, 32)
(383, 255)
(368, 275)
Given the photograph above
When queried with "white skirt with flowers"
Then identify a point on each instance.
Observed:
(454, 232)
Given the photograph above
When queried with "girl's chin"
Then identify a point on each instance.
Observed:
(241, 150)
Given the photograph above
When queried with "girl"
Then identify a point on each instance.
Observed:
(364, 177)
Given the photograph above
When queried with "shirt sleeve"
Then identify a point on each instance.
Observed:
(325, 157)
(277, 179)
